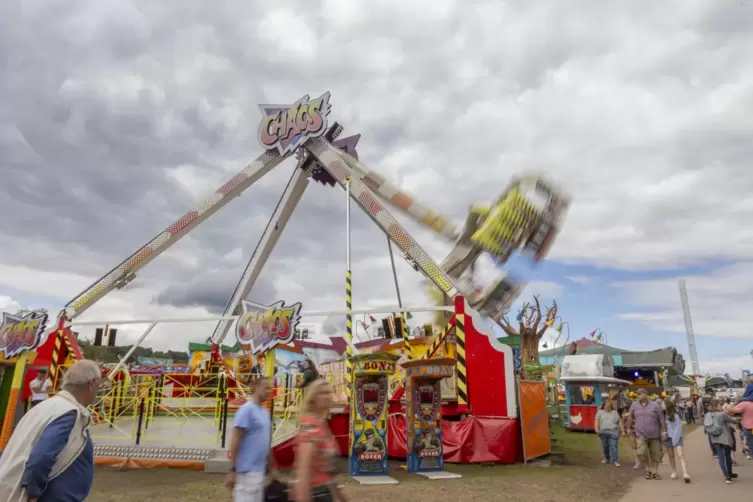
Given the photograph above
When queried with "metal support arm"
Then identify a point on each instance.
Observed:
(332, 161)
(172, 234)
(285, 206)
(402, 200)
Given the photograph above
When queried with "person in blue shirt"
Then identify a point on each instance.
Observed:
(250, 446)
(74, 483)
(748, 395)
(50, 456)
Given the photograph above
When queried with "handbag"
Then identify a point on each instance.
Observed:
(322, 493)
(276, 491)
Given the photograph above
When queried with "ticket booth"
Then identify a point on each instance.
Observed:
(425, 455)
(368, 417)
(588, 384)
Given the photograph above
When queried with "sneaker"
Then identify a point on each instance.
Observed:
(636, 467)
(687, 480)
(747, 457)
(616, 464)
(604, 461)
(673, 475)
(728, 481)
(733, 475)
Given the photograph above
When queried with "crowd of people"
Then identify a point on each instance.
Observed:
(50, 455)
(654, 426)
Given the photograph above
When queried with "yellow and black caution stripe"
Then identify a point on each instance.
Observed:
(439, 339)
(348, 333)
(462, 372)
(401, 324)
(408, 348)
(71, 349)
(55, 361)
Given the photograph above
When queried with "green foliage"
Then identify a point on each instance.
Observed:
(533, 372)
(114, 354)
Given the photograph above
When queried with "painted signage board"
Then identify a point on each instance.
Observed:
(286, 127)
(22, 332)
(264, 328)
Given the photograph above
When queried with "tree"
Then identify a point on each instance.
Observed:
(530, 328)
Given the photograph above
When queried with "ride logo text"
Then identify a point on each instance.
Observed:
(264, 328)
(21, 332)
(285, 127)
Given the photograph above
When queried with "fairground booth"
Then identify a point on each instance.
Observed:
(650, 369)
(589, 382)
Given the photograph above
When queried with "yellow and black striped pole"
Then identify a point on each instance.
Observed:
(462, 371)
(407, 347)
(348, 297)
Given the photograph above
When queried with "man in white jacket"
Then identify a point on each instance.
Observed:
(50, 456)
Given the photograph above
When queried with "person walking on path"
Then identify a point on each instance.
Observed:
(250, 446)
(689, 412)
(316, 450)
(609, 427)
(716, 424)
(50, 456)
(674, 443)
(745, 408)
(650, 430)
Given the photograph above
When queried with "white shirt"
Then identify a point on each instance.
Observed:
(40, 390)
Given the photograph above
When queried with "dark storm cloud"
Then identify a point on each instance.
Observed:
(212, 290)
(102, 102)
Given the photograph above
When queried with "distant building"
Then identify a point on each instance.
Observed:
(642, 368)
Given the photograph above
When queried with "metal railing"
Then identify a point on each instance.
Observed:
(166, 411)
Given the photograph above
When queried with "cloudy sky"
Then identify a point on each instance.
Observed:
(116, 117)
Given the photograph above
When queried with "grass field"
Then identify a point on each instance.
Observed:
(579, 476)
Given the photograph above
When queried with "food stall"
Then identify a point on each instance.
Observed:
(589, 382)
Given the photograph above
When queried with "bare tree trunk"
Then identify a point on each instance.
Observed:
(529, 347)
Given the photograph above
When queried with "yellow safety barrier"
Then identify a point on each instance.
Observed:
(179, 413)
(114, 413)
(174, 411)
(286, 419)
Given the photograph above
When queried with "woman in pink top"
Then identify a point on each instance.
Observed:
(745, 408)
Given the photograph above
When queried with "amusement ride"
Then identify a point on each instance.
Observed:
(402, 398)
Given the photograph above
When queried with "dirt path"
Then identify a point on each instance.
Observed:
(707, 481)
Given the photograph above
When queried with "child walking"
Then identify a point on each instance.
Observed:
(674, 444)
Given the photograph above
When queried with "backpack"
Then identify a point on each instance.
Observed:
(711, 426)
